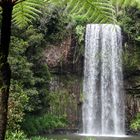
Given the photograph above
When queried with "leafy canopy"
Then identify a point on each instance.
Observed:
(95, 11)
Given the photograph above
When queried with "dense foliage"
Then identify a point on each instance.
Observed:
(30, 97)
(25, 78)
(35, 125)
(129, 20)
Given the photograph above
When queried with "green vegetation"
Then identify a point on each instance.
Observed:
(17, 135)
(33, 107)
(135, 124)
(25, 79)
(130, 23)
(35, 125)
(30, 99)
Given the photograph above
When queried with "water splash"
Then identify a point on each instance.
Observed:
(103, 105)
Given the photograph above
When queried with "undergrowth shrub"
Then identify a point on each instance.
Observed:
(17, 135)
(35, 125)
(135, 124)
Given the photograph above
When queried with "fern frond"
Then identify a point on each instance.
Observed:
(25, 11)
(126, 3)
(96, 11)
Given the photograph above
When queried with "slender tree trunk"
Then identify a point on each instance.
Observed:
(5, 72)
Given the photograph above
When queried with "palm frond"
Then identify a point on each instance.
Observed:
(25, 11)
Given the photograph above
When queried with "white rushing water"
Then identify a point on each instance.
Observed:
(103, 96)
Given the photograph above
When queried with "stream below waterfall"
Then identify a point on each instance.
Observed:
(80, 137)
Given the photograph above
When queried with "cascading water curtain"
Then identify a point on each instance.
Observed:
(103, 110)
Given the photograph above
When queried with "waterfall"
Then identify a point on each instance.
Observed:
(103, 96)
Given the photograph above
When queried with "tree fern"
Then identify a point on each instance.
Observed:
(25, 11)
(126, 3)
(97, 11)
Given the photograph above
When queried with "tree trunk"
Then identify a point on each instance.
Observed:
(5, 72)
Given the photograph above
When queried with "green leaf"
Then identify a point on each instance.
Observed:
(26, 11)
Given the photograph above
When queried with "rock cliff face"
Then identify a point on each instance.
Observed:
(67, 80)
(132, 90)
(60, 57)
(57, 54)
(132, 108)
